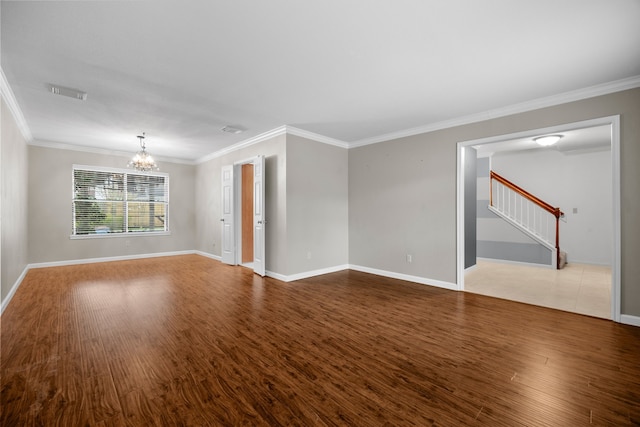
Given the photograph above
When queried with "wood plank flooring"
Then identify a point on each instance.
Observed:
(189, 341)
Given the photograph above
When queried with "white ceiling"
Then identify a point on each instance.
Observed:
(352, 70)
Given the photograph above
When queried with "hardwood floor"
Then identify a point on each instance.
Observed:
(189, 341)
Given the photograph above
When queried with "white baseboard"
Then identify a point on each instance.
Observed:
(208, 255)
(307, 274)
(108, 259)
(527, 264)
(598, 264)
(407, 277)
(278, 276)
(627, 319)
(284, 277)
(13, 290)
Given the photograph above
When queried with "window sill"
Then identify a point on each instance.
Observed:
(118, 235)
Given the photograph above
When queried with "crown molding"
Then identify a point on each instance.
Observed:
(549, 101)
(281, 130)
(316, 137)
(10, 99)
(103, 151)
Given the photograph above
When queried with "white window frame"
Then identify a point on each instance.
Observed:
(126, 202)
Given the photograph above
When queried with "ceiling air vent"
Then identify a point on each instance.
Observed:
(67, 91)
(231, 129)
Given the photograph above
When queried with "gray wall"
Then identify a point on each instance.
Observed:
(470, 206)
(50, 175)
(402, 193)
(306, 203)
(208, 200)
(13, 204)
(581, 181)
(317, 205)
(498, 239)
(402, 199)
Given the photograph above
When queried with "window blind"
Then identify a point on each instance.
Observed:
(114, 201)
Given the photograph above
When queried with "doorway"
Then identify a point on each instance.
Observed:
(506, 142)
(243, 214)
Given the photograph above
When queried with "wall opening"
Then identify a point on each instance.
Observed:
(505, 143)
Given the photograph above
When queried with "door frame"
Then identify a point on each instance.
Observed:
(228, 244)
(237, 206)
(614, 122)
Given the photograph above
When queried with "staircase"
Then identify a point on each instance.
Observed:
(528, 213)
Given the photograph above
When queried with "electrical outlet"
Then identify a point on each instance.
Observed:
(308, 255)
(409, 258)
(127, 243)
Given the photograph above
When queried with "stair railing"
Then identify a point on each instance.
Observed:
(527, 210)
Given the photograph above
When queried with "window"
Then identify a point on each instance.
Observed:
(114, 201)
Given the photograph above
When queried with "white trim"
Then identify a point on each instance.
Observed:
(243, 144)
(12, 103)
(614, 122)
(280, 130)
(549, 101)
(628, 319)
(316, 137)
(460, 255)
(406, 277)
(597, 264)
(118, 235)
(237, 205)
(117, 170)
(103, 151)
(208, 255)
(237, 210)
(471, 267)
(608, 120)
(248, 161)
(616, 262)
(307, 274)
(13, 289)
(275, 275)
(125, 202)
(237, 199)
(526, 264)
(109, 259)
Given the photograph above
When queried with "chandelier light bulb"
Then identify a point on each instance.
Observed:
(143, 161)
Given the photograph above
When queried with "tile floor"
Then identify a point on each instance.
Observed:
(579, 288)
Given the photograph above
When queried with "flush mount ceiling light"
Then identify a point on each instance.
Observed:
(143, 161)
(67, 91)
(547, 140)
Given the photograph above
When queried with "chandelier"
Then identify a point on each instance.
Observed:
(143, 161)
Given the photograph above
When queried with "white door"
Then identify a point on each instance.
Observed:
(259, 220)
(227, 220)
